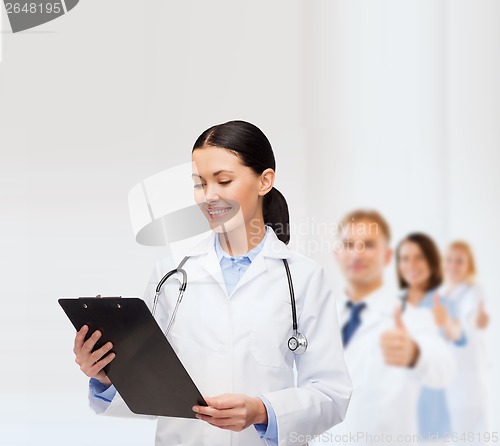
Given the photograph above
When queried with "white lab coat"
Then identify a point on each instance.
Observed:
(383, 408)
(238, 344)
(468, 394)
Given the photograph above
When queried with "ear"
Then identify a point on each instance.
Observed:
(266, 181)
(388, 256)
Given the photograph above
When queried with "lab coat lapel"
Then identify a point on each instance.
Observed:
(208, 268)
(381, 312)
(211, 266)
(368, 320)
(273, 248)
(256, 268)
(380, 307)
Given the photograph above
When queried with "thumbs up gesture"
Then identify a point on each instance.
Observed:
(398, 348)
(439, 311)
(483, 318)
(451, 327)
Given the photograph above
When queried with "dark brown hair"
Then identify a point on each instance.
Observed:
(431, 253)
(250, 144)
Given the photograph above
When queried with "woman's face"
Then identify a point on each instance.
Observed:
(456, 266)
(413, 265)
(227, 191)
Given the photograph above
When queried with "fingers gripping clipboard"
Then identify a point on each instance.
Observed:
(146, 371)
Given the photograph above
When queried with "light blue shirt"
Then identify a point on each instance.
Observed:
(433, 412)
(233, 268)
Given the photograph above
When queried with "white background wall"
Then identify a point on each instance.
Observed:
(387, 104)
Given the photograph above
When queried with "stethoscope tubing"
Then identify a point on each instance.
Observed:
(183, 287)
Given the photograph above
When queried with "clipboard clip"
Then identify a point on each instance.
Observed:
(99, 297)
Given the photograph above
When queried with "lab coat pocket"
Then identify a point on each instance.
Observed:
(269, 338)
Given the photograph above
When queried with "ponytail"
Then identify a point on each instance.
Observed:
(276, 215)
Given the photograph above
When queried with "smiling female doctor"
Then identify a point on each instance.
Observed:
(232, 329)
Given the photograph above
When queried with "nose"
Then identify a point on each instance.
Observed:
(211, 194)
(413, 264)
(357, 253)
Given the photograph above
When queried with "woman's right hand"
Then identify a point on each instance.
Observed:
(440, 312)
(483, 318)
(92, 363)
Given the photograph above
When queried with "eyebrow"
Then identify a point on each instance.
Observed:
(214, 174)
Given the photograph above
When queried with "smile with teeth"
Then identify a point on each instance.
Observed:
(218, 212)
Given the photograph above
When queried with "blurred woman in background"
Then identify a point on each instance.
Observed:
(418, 264)
(467, 397)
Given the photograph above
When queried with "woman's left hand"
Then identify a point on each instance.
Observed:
(232, 412)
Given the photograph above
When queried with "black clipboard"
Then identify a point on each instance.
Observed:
(146, 371)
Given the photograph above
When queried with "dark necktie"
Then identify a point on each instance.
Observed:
(353, 323)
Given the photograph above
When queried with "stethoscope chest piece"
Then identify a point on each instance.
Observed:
(297, 343)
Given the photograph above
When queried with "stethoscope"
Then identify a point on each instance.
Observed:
(297, 342)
